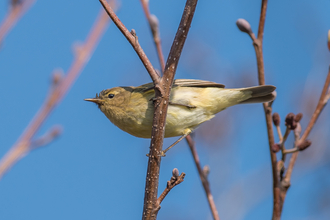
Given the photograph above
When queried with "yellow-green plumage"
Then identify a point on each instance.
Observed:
(192, 102)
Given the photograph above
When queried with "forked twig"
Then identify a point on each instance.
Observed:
(176, 179)
(133, 40)
(281, 185)
(324, 98)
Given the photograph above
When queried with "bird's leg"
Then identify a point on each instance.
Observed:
(187, 132)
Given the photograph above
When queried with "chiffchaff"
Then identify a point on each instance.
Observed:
(192, 102)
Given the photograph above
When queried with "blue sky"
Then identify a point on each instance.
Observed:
(96, 171)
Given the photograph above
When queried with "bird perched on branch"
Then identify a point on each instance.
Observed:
(191, 103)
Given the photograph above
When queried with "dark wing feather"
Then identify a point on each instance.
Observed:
(196, 83)
(144, 87)
(182, 83)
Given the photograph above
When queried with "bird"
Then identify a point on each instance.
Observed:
(191, 103)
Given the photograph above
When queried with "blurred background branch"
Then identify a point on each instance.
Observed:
(16, 11)
(59, 88)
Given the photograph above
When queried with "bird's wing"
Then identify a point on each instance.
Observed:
(183, 83)
(196, 83)
(144, 88)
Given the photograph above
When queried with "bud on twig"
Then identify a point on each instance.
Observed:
(15, 2)
(57, 76)
(133, 33)
(276, 148)
(56, 131)
(244, 26)
(206, 170)
(302, 146)
(276, 119)
(290, 122)
(298, 117)
(175, 173)
(297, 131)
(154, 24)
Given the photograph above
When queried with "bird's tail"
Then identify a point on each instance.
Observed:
(260, 94)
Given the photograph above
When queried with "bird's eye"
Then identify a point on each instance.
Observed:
(111, 96)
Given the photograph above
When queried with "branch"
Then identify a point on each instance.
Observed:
(280, 186)
(176, 179)
(257, 43)
(15, 12)
(154, 27)
(160, 105)
(58, 91)
(321, 104)
(203, 178)
(162, 87)
(47, 138)
(153, 23)
(133, 39)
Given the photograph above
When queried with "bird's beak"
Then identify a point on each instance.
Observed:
(95, 100)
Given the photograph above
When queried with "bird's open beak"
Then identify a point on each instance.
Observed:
(95, 100)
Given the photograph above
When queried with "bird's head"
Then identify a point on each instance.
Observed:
(110, 98)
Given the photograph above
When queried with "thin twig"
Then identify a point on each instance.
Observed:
(285, 183)
(47, 138)
(133, 39)
(175, 180)
(154, 27)
(286, 134)
(15, 12)
(22, 147)
(257, 43)
(262, 20)
(203, 178)
(321, 104)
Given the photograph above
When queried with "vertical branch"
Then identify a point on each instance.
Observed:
(262, 20)
(153, 23)
(23, 145)
(280, 186)
(160, 105)
(257, 43)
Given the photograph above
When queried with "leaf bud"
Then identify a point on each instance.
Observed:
(175, 172)
(206, 170)
(290, 122)
(154, 24)
(244, 26)
(303, 145)
(276, 148)
(276, 119)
